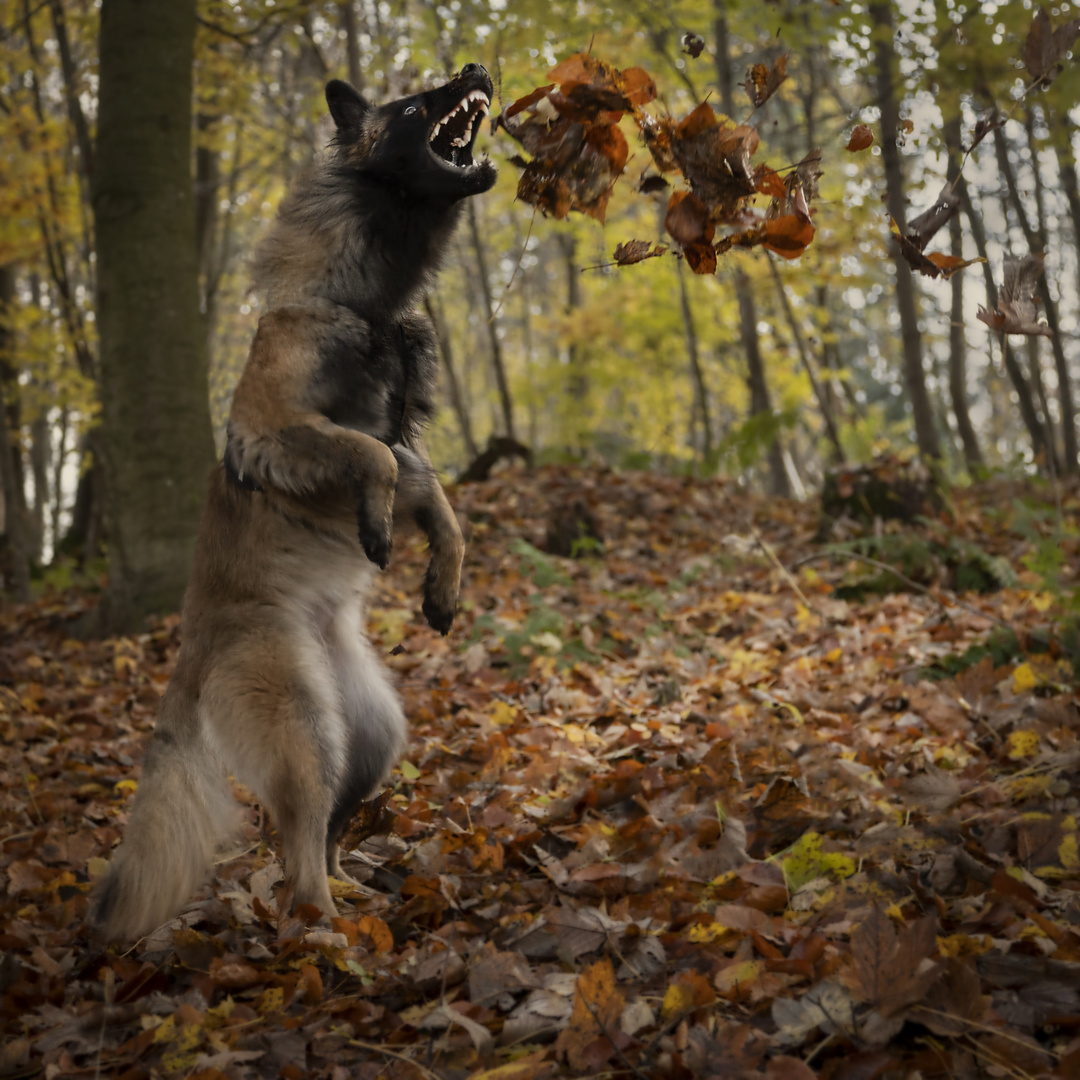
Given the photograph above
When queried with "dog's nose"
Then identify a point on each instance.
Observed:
(474, 69)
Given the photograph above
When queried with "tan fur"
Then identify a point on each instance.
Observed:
(276, 683)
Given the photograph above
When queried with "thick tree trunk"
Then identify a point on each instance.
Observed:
(926, 433)
(156, 437)
(493, 335)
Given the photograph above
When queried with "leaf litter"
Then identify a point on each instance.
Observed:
(663, 814)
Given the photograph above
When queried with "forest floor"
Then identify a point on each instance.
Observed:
(678, 807)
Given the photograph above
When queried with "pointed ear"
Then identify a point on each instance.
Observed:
(347, 107)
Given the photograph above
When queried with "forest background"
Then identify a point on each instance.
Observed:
(768, 370)
(704, 783)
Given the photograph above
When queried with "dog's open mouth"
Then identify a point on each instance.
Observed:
(453, 136)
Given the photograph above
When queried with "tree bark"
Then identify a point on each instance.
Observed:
(1026, 403)
(760, 403)
(957, 342)
(14, 510)
(352, 42)
(1035, 242)
(755, 364)
(701, 392)
(804, 355)
(493, 336)
(442, 333)
(926, 433)
(156, 440)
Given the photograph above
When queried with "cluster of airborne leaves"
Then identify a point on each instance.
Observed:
(670, 810)
(570, 129)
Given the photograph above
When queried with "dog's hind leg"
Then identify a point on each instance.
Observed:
(375, 727)
(278, 725)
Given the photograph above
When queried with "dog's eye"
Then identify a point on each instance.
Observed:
(410, 110)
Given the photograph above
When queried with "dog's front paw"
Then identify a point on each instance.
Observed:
(440, 601)
(376, 538)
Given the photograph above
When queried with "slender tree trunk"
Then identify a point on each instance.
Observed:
(957, 342)
(1066, 160)
(1024, 399)
(1035, 242)
(804, 355)
(58, 476)
(442, 333)
(926, 433)
(351, 27)
(10, 478)
(755, 364)
(958, 359)
(701, 392)
(760, 403)
(156, 436)
(493, 336)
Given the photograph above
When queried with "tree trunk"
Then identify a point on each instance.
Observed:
(957, 342)
(493, 336)
(156, 439)
(1028, 412)
(442, 333)
(755, 365)
(1066, 160)
(15, 530)
(1035, 243)
(352, 42)
(701, 393)
(804, 355)
(926, 433)
(760, 403)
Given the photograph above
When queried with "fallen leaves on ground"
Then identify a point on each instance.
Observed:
(667, 812)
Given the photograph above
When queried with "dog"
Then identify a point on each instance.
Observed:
(276, 682)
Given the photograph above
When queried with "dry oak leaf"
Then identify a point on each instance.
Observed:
(1016, 311)
(762, 81)
(635, 251)
(598, 1006)
(1045, 48)
(862, 136)
(921, 229)
(891, 970)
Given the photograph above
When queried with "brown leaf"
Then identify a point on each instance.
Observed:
(862, 136)
(687, 219)
(921, 229)
(635, 251)
(891, 971)
(693, 44)
(762, 81)
(597, 1007)
(1016, 311)
(1045, 48)
(788, 236)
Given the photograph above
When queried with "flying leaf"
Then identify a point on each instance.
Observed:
(862, 136)
(1045, 48)
(762, 81)
(635, 251)
(921, 229)
(693, 45)
(1016, 312)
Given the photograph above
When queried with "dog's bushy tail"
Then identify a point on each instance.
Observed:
(182, 811)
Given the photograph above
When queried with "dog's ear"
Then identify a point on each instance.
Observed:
(347, 107)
